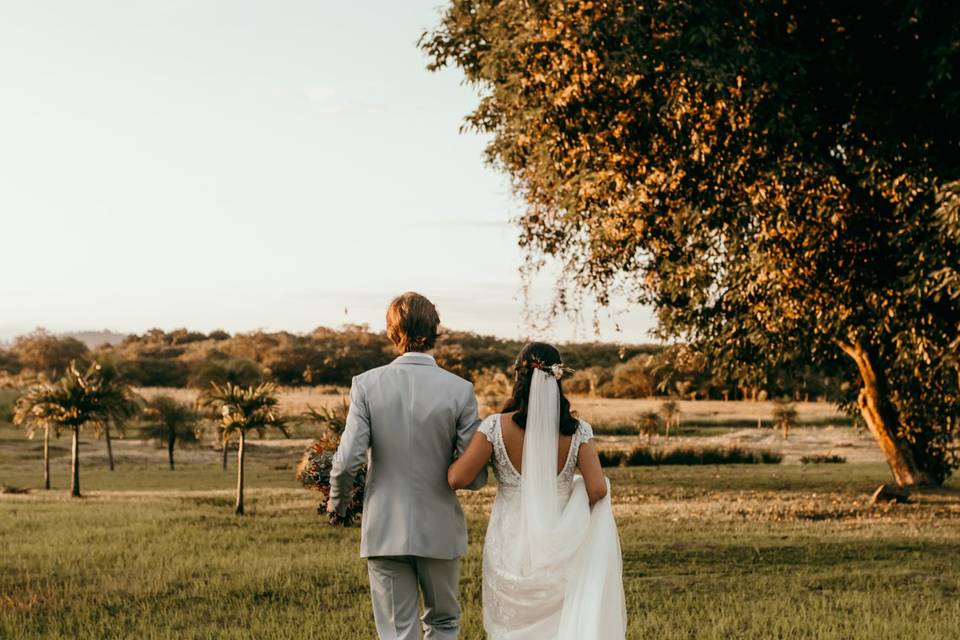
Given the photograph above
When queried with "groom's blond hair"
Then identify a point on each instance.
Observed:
(412, 322)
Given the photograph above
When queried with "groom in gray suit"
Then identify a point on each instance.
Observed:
(414, 418)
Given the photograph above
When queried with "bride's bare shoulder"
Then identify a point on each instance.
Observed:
(506, 419)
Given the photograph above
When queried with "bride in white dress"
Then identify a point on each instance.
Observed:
(551, 559)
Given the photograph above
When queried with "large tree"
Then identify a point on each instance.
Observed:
(44, 353)
(779, 178)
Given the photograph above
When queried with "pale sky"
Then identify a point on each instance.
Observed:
(244, 165)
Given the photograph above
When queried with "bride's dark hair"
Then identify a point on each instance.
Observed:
(542, 355)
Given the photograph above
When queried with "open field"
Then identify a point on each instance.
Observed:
(853, 445)
(697, 416)
(705, 413)
(763, 551)
(292, 399)
(602, 411)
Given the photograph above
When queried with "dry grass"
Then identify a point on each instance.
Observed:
(852, 444)
(615, 411)
(292, 399)
(597, 411)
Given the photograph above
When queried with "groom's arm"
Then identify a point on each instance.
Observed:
(467, 425)
(352, 452)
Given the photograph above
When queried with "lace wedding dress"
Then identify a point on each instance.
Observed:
(551, 564)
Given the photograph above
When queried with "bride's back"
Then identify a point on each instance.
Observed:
(507, 440)
(513, 442)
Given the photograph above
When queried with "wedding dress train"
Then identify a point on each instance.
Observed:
(551, 564)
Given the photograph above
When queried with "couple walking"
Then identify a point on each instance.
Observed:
(551, 559)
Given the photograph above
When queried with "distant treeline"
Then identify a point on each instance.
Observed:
(183, 358)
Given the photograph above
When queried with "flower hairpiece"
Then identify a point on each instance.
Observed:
(557, 370)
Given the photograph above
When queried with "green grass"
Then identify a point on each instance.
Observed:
(714, 552)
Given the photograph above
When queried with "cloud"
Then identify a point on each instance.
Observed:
(333, 101)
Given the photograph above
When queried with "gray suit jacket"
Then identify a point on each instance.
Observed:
(414, 418)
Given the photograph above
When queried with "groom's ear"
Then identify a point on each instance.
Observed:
(413, 323)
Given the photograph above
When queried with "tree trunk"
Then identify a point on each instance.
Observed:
(224, 449)
(882, 419)
(171, 440)
(75, 464)
(106, 430)
(46, 458)
(240, 451)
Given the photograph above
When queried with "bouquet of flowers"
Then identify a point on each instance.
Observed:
(313, 473)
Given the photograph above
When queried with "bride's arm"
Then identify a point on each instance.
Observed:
(465, 468)
(588, 460)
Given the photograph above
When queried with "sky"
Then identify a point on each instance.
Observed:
(249, 165)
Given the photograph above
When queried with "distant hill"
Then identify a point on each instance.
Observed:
(94, 339)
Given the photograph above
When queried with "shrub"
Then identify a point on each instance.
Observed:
(150, 371)
(42, 352)
(8, 398)
(8, 361)
(642, 457)
(611, 458)
(770, 457)
(823, 459)
(589, 381)
(238, 371)
(614, 430)
(493, 387)
(645, 456)
(631, 379)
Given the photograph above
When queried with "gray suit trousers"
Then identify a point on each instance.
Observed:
(395, 586)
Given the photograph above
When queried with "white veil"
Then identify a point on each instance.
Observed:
(565, 538)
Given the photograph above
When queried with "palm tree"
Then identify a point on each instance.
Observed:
(169, 420)
(78, 399)
(670, 412)
(110, 375)
(648, 424)
(32, 412)
(242, 409)
(785, 415)
(223, 436)
(333, 418)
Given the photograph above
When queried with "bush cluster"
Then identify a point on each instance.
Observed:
(648, 457)
(183, 358)
(823, 459)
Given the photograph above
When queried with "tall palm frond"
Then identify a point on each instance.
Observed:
(332, 418)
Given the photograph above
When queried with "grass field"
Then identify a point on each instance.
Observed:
(753, 551)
